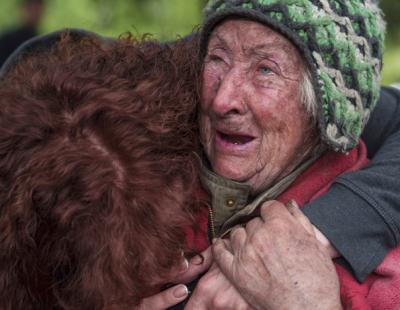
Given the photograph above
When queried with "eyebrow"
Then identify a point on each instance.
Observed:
(264, 50)
(261, 50)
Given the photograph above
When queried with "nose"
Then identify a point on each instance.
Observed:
(230, 95)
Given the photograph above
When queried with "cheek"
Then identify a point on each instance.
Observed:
(280, 115)
(275, 133)
(294, 125)
(270, 116)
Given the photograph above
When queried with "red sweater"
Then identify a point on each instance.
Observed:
(381, 290)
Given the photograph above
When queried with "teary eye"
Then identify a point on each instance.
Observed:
(264, 70)
(214, 58)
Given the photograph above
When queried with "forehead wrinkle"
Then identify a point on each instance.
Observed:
(226, 39)
(269, 50)
(221, 42)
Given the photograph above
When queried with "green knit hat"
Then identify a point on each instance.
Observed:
(342, 43)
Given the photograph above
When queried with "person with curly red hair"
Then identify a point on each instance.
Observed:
(96, 190)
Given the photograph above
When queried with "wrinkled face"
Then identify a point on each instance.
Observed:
(254, 128)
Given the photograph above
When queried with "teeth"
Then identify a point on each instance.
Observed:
(236, 139)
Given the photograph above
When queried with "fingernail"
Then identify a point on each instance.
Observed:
(181, 291)
(292, 203)
(184, 265)
(214, 240)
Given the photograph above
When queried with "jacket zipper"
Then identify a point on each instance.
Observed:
(211, 225)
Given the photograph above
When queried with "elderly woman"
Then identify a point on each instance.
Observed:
(287, 89)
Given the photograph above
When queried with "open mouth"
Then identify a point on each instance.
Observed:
(235, 139)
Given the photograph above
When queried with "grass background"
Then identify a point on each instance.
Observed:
(165, 20)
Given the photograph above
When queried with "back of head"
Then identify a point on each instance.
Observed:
(96, 172)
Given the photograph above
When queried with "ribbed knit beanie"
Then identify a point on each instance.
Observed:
(342, 44)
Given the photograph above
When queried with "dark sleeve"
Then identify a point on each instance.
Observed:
(41, 44)
(360, 215)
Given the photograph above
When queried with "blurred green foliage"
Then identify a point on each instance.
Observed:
(165, 19)
(391, 61)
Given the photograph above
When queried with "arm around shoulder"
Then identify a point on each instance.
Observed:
(360, 215)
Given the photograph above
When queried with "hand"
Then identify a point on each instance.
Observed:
(277, 263)
(165, 299)
(331, 250)
(187, 272)
(214, 291)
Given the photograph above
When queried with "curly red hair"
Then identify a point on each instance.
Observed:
(97, 172)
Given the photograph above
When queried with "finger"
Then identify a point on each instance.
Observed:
(223, 297)
(165, 299)
(197, 265)
(181, 268)
(326, 244)
(205, 290)
(226, 241)
(195, 303)
(237, 239)
(214, 291)
(273, 209)
(253, 225)
(223, 257)
(294, 210)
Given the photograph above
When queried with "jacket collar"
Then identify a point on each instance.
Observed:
(232, 202)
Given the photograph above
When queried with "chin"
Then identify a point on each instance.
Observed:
(230, 171)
